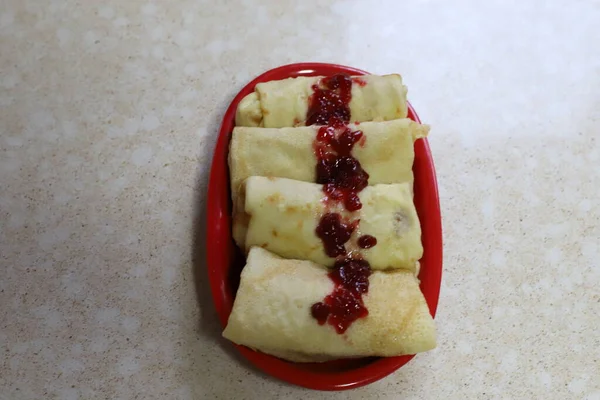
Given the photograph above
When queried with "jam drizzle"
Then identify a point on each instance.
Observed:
(341, 174)
(342, 178)
(334, 233)
(345, 304)
(330, 102)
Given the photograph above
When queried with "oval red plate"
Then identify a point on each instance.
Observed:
(225, 261)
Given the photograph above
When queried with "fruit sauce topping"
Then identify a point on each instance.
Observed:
(342, 178)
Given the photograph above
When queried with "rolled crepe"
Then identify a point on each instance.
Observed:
(284, 103)
(387, 153)
(281, 215)
(271, 313)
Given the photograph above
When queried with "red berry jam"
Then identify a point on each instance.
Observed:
(342, 178)
(337, 169)
(352, 274)
(339, 141)
(330, 102)
(367, 241)
(346, 307)
(334, 233)
(345, 304)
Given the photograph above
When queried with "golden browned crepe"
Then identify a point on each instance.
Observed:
(386, 153)
(272, 314)
(284, 103)
(278, 207)
(281, 215)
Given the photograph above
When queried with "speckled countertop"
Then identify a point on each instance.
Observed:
(108, 117)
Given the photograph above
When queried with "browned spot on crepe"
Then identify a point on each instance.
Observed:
(274, 198)
(291, 209)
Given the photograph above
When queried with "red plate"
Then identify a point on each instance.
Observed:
(225, 261)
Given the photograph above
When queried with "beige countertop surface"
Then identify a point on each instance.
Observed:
(108, 117)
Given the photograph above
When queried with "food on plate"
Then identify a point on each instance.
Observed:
(385, 151)
(293, 101)
(285, 216)
(322, 193)
(273, 307)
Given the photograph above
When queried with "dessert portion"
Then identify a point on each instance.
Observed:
(272, 312)
(325, 214)
(292, 219)
(312, 100)
(385, 150)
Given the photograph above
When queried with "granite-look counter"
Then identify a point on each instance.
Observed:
(108, 117)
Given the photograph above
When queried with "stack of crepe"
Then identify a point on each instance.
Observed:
(277, 206)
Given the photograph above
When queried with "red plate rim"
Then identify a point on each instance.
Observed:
(221, 250)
